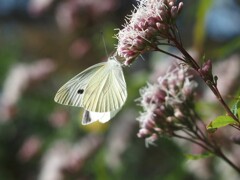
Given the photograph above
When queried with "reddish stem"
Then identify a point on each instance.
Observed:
(212, 86)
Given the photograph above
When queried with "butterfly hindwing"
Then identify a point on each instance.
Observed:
(103, 117)
(87, 119)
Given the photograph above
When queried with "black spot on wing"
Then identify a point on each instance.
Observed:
(80, 91)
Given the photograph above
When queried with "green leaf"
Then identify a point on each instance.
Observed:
(235, 108)
(198, 156)
(220, 121)
(238, 113)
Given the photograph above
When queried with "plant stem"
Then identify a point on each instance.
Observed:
(212, 86)
(193, 141)
(210, 147)
(215, 149)
(220, 154)
(170, 54)
(229, 112)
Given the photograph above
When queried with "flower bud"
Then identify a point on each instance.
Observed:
(174, 12)
(159, 112)
(170, 119)
(143, 25)
(160, 96)
(129, 60)
(143, 133)
(178, 113)
(163, 82)
(151, 21)
(150, 32)
(188, 88)
(154, 137)
(207, 67)
(180, 7)
(163, 15)
(139, 43)
(171, 3)
(181, 75)
(206, 70)
(149, 124)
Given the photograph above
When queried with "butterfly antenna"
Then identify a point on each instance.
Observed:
(104, 43)
(142, 57)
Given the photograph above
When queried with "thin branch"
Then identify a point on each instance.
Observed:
(166, 44)
(170, 54)
(215, 150)
(193, 141)
(220, 154)
(212, 86)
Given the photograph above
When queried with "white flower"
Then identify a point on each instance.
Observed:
(150, 21)
(166, 104)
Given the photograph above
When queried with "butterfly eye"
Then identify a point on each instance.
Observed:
(80, 91)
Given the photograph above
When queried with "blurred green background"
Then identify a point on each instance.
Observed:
(43, 43)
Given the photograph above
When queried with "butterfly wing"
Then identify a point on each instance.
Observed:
(107, 116)
(87, 119)
(106, 90)
(100, 88)
(103, 117)
(73, 91)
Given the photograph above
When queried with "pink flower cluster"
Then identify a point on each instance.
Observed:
(149, 23)
(166, 104)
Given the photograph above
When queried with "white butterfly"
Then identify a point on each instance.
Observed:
(100, 90)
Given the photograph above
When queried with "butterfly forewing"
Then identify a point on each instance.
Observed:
(106, 90)
(73, 91)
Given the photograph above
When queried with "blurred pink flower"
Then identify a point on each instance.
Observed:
(59, 118)
(79, 48)
(72, 14)
(38, 7)
(19, 78)
(63, 157)
(30, 148)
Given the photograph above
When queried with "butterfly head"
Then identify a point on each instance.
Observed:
(113, 62)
